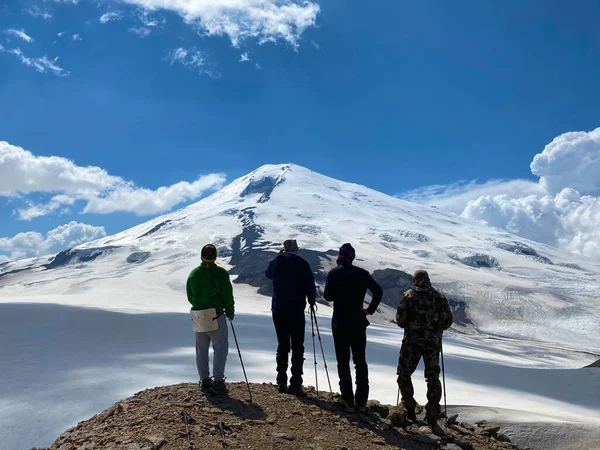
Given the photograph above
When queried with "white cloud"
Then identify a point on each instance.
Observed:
(22, 173)
(563, 209)
(193, 59)
(244, 57)
(567, 220)
(570, 160)
(258, 66)
(146, 201)
(4, 259)
(111, 16)
(456, 196)
(66, 236)
(141, 32)
(77, 37)
(62, 33)
(38, 210)
(265, 20)
(148, 20)
(35, 11)
(20, 34)
(42, 65)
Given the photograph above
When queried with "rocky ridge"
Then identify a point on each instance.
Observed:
(152, 420)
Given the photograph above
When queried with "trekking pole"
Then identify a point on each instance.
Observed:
(398, 396)
(312, 326)
(443, 378)
(240, 355)
(187, 429)
(322, 351)
(222, 431)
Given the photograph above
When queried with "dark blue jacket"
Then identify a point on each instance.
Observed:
(293, 282)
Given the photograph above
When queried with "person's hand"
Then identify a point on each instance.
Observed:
(231, 317)
(366, 313)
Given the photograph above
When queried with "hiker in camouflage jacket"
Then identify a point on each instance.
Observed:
(424, 314)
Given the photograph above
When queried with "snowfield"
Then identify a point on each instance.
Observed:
(88, 327)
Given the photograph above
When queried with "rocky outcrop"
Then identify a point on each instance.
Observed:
(152, 420)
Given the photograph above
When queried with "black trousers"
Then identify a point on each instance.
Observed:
(346, 340)
(289, 326)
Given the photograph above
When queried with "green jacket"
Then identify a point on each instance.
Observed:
(208, 286)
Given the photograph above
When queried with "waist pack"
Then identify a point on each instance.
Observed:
(204, 320)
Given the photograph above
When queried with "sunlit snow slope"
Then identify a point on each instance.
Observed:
(498, 283)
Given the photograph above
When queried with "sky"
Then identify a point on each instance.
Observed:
(116, 111)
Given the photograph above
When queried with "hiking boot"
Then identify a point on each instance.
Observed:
(362, 409)
(345, 405)
(218, 388)
(206, 384)
(411, 415)
(282, 388)
(296, 390)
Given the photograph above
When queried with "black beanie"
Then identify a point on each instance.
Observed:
(209, 253)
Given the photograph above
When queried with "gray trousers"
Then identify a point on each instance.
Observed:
(220, 342)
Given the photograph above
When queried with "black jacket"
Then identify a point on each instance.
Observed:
(293, 282)
(346, 287)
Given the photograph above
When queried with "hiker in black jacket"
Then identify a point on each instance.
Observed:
(293, 283)
(346, 287)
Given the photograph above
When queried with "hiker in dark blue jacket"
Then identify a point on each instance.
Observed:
(293, 283)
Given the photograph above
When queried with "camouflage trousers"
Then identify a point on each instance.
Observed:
(410, 355)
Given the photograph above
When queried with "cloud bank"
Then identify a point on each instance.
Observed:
(22, 173)
(562, 209)
(32, 244)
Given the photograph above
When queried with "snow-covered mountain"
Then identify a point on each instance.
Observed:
(498, 283)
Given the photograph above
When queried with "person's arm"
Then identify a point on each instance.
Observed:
(447, 317)
(376, 292)
(227, 293)
(402, 312)
(271, 269)
(309, 284)
(327, 291)
(190, 293)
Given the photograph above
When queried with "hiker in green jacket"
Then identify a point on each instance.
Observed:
(210, 292)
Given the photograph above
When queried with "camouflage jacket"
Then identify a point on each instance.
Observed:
(423, 312)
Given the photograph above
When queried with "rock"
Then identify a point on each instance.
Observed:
(156, 441)
(451, 447)
(503, 438)
(452, 419)
(287, 437)
(459, 429)
(378, 408)
(490, 432)
(378, 441)
(107, 414)
(468, 426)
(481, 423)
(397, 416)
(428, 439)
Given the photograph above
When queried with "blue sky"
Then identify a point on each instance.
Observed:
(408, 98)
